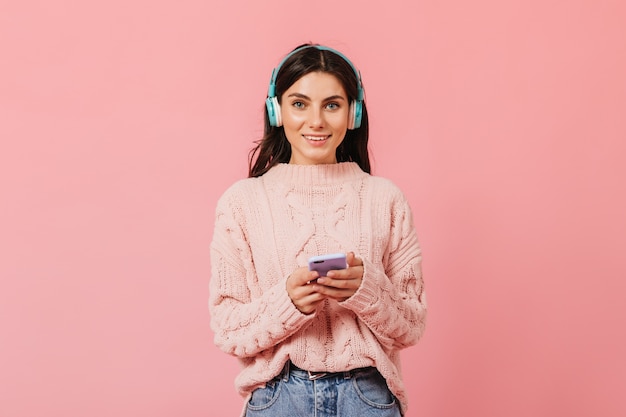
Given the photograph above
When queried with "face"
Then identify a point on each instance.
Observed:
(315, 113)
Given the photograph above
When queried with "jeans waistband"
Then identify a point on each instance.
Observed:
(291, 369)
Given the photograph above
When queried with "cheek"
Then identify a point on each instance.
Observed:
(291, 117)
(339, 121)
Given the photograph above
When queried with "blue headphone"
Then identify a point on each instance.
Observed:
(273, 107)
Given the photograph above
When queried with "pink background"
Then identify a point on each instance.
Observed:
(122, 122)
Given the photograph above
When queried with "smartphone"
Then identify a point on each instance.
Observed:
(324, 263)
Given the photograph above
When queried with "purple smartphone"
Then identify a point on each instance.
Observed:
(324, 263)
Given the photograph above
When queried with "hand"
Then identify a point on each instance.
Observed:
(343, 283)
(302, 291)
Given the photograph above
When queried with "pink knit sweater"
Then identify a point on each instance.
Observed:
(266, 227)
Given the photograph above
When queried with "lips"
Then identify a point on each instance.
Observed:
(316, 138)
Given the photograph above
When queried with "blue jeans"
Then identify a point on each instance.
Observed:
(294, 393)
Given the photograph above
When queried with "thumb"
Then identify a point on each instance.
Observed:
(352, 260)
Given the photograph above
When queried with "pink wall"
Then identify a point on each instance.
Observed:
(121, 124)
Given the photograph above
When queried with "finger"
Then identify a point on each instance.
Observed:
(352, 272)
(308, 304)
(353, 260)
(303, 277)
(305, 290)
(297, 284)
(340, 282)
(337, 293)
(310, 298)
(311, 276)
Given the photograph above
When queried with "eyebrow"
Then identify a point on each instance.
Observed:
(303, 96)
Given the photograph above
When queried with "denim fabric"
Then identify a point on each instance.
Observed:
(358, 393)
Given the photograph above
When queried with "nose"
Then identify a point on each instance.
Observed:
(316, 118)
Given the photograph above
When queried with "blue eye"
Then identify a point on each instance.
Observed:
(332, 106)
(298, 104)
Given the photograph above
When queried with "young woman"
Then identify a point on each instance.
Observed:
(312, 345)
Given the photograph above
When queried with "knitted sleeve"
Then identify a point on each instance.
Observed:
(391, 299)
(245, 318)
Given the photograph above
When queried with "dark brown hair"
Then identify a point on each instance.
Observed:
(274, 148)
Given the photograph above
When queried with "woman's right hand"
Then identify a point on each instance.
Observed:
(302, 290)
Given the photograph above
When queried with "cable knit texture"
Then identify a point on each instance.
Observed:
(266, 227)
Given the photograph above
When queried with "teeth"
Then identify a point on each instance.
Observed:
(316, 138)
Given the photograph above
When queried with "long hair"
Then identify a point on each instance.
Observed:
(274, 148)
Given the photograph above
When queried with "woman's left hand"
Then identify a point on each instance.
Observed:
(341, 284)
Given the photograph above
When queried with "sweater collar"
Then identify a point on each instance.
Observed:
(325, 174)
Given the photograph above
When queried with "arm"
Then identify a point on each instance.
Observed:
(246, 319)
(391, 299)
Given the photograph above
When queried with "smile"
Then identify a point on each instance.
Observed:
(316, 138)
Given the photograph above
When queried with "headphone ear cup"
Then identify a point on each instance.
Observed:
(351, 116)
(356, 113)
(273, 111)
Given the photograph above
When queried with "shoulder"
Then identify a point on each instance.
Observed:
(242, 186)
(384, 188)
(239, 194)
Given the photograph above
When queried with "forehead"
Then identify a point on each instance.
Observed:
(317, 84)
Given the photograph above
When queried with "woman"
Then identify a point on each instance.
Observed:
(313, 345)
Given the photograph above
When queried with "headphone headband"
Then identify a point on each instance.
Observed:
(356, 106)
(271, 91)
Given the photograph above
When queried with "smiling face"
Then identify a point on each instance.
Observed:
(315, 113)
